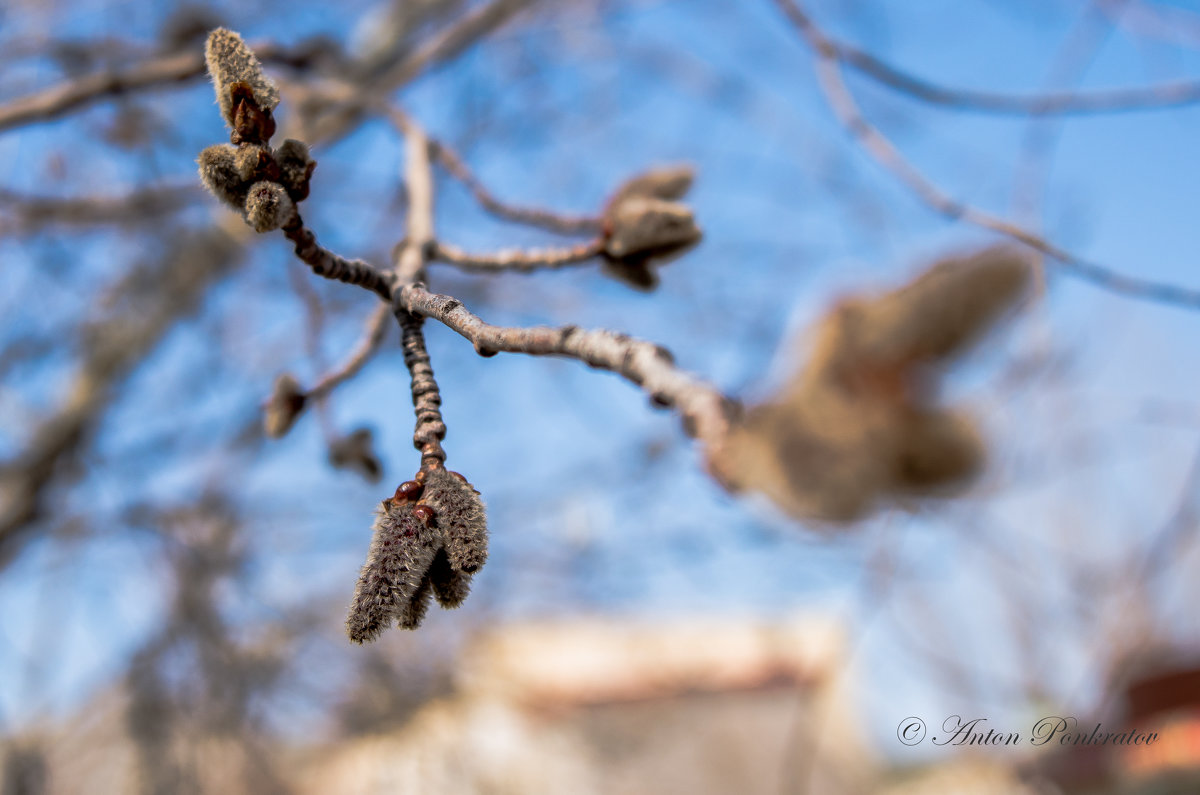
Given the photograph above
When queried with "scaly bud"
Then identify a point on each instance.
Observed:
(646, 227)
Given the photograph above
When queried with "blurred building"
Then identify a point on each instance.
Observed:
(606, 707)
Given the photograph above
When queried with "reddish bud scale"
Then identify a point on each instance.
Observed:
(408, 491)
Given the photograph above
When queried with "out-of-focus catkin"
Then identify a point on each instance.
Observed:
(664, 182)
(857, 426)
(646, 227)
(356, 452)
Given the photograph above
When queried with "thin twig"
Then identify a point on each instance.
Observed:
(518, 259)
(163, 70)
(705, 411)
(430, 429)
(530, 216)
(1057, 103)
(351, 101)
(325, 263)
(143, 204)
(368, 346)
(885, 153)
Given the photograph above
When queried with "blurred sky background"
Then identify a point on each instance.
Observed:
(598, 503)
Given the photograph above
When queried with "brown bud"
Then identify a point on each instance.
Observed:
(424, 513)
(284, 406)
(636, 274)
(251, 123)
(645, 227)
(356, 452)
(408, 491)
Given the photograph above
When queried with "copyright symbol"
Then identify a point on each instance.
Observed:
(911, 731)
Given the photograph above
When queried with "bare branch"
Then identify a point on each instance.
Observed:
(410, 266)
(450, 42)
(430, 430)
(325, 263)
(518, 259)
(530, 216)
(351, 101)
(1060, 103)
(368, 346)
(705, 411)
(842, 102)
(147, 203)
(164, 70)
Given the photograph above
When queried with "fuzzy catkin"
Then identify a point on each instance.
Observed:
(220, 173)
(859, 426)
(230, 61)
(942, 312)
(268, 206)
(450, 587)
(461, 518)
(393, 584)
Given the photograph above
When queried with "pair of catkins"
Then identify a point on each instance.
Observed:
(430, 539)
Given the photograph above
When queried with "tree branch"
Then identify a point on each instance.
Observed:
(325, 263)
(530, 216)
(1060, 103)
(430, 429)
(368, 346)
(705, 411)
(518, 259)
(165, 70)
